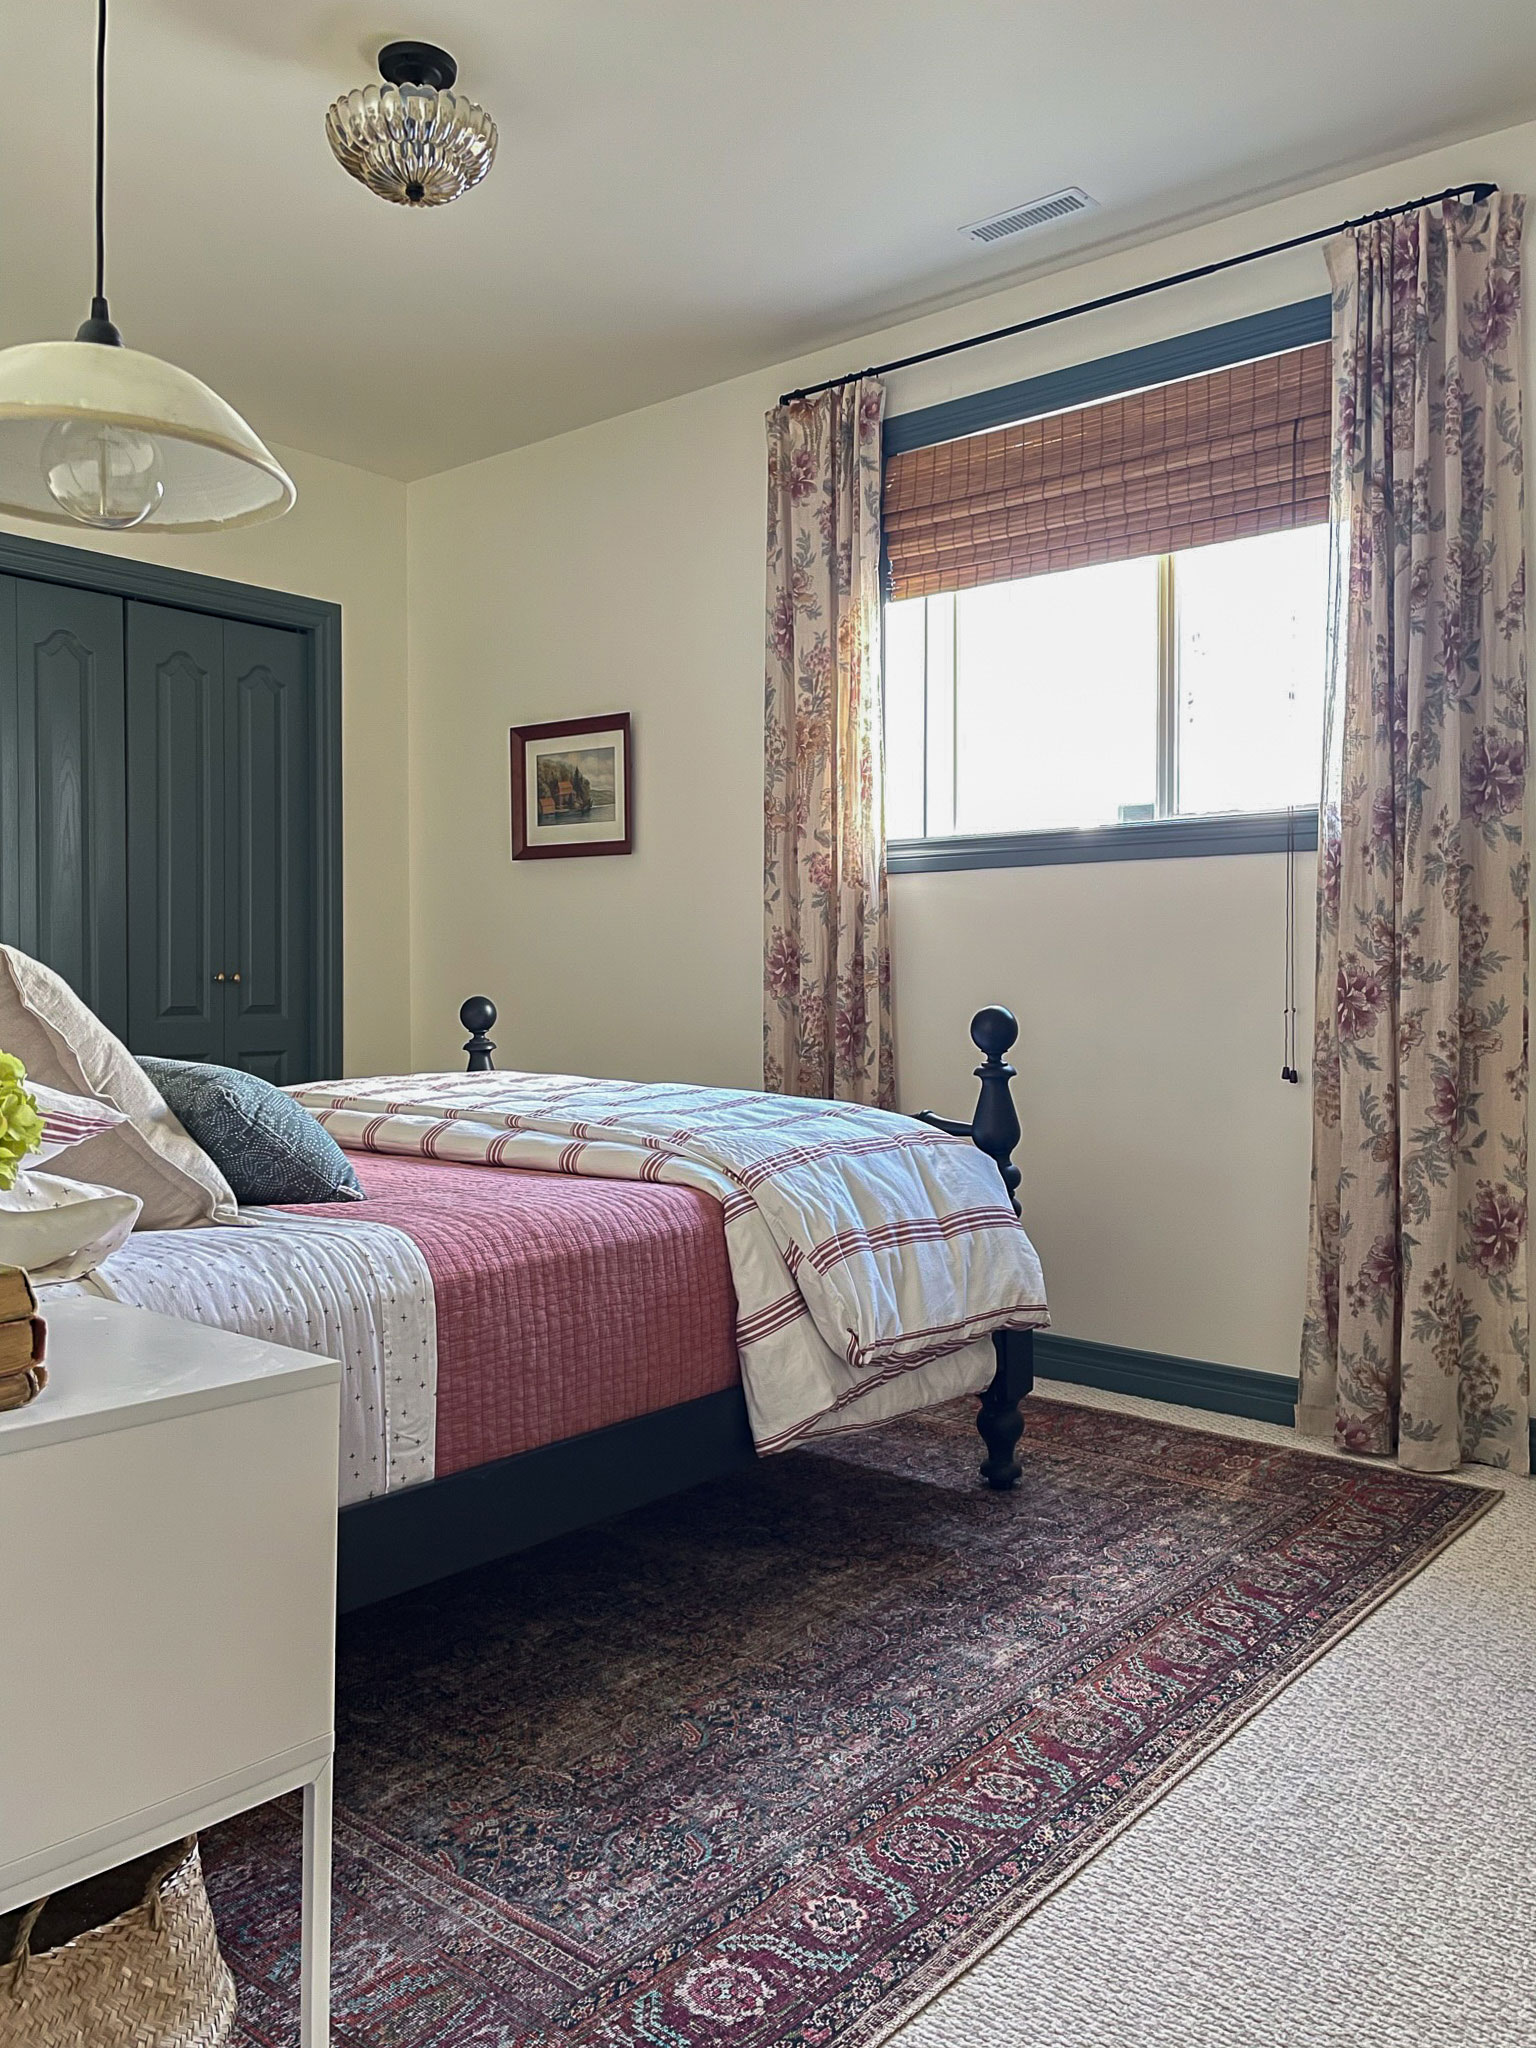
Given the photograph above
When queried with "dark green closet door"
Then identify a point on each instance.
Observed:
(269, 858)
(62, 886)
(176, 837)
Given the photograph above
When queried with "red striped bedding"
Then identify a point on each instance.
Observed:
(872, 1257)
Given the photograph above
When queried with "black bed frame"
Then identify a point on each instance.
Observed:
(408, 1539)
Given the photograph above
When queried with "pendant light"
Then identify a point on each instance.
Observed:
(96, 434)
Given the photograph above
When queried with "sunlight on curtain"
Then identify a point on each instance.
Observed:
(827, 991)
(1416, 1333)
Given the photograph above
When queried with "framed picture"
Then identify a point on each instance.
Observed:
(572, 788)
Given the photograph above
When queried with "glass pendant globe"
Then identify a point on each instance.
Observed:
(102, 475)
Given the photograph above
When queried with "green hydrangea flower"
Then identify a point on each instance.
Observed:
(21, 1128)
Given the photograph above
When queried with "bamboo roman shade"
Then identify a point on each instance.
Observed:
(1241, 451)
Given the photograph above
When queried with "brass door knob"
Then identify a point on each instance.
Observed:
(234, 977)
(218, 977)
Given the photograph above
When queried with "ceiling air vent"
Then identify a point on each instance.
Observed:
(1038, 213)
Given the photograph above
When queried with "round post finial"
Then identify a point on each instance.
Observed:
(994, 1030)
(478, 1015)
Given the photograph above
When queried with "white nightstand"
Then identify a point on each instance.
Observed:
(168, 1526)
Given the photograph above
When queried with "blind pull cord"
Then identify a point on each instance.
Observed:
(1288, 1068)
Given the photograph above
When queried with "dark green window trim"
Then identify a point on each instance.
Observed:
(1160, 362)
(1150, 839)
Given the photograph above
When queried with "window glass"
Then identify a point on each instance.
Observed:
(1177, 685)
(1251, 649)
(1056, 699)
(905, 768)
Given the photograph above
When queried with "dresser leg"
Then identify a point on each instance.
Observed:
(315, 1970)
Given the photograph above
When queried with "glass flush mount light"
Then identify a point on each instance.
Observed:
(412, 139)
(95, 434)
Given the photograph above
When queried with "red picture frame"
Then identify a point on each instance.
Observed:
(564, 794)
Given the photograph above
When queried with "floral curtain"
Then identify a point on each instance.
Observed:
(827, 985)
(1416, 1333)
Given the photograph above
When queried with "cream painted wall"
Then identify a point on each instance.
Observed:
(1165, 1161)
(621, 567)
(606, 570)
(344, 541)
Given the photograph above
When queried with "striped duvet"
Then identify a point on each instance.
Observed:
(872, 1257)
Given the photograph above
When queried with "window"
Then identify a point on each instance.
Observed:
(1106, 621)
(1181, 685)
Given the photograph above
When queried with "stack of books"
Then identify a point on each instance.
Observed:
(23, 1334)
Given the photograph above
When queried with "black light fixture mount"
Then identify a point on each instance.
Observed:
(418, 64)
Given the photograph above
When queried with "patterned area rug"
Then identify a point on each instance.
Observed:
(770, 1763)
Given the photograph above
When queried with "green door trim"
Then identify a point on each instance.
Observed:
(320, 624)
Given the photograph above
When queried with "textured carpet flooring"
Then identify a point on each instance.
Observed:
(1355, 1869)
(772, 1763)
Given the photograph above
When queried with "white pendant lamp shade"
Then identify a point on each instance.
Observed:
(95, 434)
(107, 436)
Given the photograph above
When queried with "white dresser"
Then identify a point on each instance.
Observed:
(168, 1534)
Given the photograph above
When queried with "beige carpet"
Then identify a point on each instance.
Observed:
(1355, 1869)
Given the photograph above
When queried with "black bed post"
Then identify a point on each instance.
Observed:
(994, 1129)
(478, 1016)
(995, 1126)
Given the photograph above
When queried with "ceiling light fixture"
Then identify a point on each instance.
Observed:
(95, 434)
(412, 140)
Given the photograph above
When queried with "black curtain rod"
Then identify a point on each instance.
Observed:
(1479, 192)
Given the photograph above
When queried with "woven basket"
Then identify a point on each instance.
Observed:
(152, 1977)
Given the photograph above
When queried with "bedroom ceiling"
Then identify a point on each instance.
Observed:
(686, 189)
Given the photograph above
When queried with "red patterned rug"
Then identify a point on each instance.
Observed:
(770, 1763)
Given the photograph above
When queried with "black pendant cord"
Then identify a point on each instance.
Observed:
(1288, 1068)
(99, 327)
(101, 152)
(1478, 192)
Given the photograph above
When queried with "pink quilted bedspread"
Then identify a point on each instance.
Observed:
(563, 1305)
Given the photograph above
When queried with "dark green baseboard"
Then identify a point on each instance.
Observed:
(1156, 1376)
(1225, 1389)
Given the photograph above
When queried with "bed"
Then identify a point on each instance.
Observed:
(561, 1299)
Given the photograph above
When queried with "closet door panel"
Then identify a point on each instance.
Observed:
(10, 768)
(176, 833)
(269, 856)
(62, 885)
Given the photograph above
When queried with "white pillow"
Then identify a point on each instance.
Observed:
(62, 1229)
(63, 1046)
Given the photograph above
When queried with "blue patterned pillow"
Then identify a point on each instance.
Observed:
(267, 1148)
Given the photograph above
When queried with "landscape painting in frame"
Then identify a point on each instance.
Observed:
(572, 788)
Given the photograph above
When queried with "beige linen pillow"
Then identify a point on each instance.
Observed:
(62, 1045)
